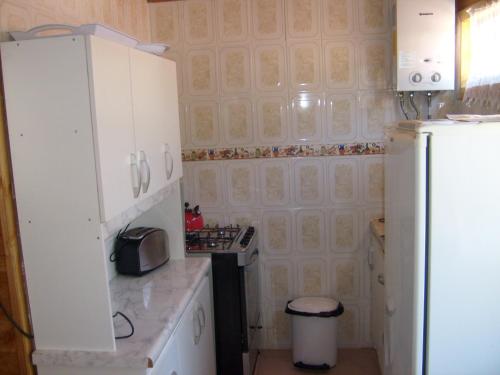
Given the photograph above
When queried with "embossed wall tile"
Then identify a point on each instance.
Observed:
(235, 70)
(246, 217)
(176, 55)
(183, 123)
(310, 231)
(201, 72)
(277, 327)
(208, 182)
(375, 64)
(377, 112)
(278, 279)
(272, 119)
(312, 277)
(349, 326)
(237, 119)
(188, 181)
(203, 123)
(275, 182)
(373, 16)
(241, 183)
(340, 66)
(341, 117)
(306, 118)
(268, 19)
(214, 218)
(270, 68)
(345, 278)
(277, 232)
(304, 60)
(368, 215)
(309, 182)
(373, 179)
(198, 21)
(302, 18)
(232, 20)
(338, 17)
(343, 180)
(344, 232)
(165, 26)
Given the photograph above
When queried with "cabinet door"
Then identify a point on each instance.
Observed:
(167, 363)
(156, 119)
(113, 125)
(206, 346)
(195, 336)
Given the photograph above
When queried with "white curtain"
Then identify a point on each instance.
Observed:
(483, 85)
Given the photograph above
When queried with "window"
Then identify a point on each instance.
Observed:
(480, 55)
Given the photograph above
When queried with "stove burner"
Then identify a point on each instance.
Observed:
(214, 238)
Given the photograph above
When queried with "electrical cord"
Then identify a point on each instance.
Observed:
(132, 329)
(412, 103)
(401, 104)
(114, 254)
(14, 323)
(429, 104)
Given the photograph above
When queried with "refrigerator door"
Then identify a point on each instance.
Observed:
(464, 253)
(405, 202)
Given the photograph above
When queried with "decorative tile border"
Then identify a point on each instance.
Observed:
(264, 152)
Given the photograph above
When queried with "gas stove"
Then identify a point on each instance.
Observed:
(227, 239)
(236, 291)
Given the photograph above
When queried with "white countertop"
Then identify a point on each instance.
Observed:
(154, 303)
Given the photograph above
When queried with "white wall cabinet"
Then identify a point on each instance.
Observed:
(156, 117)
(135, 101)
(79, 111)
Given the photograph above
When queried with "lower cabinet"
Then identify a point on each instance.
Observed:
(191, 350)
(377, 300)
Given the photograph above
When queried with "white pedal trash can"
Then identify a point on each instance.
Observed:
(314, 331)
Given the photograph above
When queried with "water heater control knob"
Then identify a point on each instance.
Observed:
(436, 77)
(416, 77)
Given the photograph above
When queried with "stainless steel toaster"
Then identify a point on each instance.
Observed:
(141, 250)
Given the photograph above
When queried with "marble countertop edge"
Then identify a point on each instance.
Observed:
(176, 282)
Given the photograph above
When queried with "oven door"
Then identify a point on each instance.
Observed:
(252, 319)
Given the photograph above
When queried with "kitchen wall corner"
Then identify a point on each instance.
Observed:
(283, 105)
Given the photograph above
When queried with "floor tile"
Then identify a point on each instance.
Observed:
(349, 362)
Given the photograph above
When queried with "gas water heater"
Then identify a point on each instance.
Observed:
(425, 45)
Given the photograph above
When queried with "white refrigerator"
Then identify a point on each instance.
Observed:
(442, 255)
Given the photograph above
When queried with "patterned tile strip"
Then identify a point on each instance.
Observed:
(264, 152)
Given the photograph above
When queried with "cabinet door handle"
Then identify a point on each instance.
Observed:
(196, 327)
(135, 175)
(146, 171)
(203, 317)
(169, 162)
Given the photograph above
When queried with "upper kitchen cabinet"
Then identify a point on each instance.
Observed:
(136, 123)
(93, 129)
(156, 119)
(113, 126)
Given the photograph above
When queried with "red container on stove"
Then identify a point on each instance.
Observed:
(193, 218)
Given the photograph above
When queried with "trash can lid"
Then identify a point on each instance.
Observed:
(315, 306)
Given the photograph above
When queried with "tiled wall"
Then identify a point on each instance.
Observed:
(129, 16)
(257, 76)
